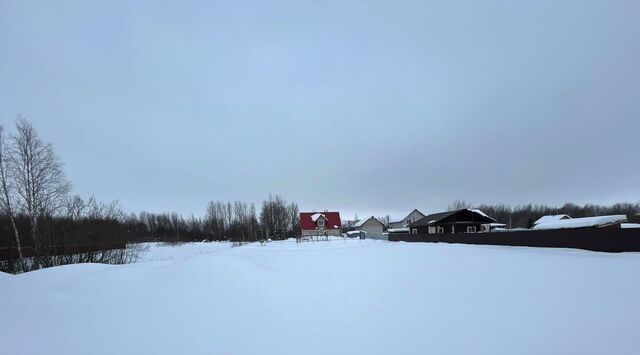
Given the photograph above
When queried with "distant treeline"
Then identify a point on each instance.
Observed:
(524, 216)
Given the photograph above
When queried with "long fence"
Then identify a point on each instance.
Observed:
(11, 253)
(602, 239)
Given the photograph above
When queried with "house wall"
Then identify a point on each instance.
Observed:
(459, 228)
(414, 216)
(372, 228)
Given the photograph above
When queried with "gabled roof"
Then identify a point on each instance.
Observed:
(586, 222)
(361, 222)
(432, 218)
(307, 221)
(480, 212)
(551, 218)
(405, 218)
(476, 215)
(316, 216)
(398, 230)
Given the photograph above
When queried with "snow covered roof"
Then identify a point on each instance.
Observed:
(551, 218)
(630, 225)
(598, 221)
(315, 216)
(361, 222)
(497, 225)
(398, 230)
(480, 213)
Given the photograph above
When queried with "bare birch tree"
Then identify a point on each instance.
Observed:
(38, 174)
(7, 190)
(294, 218)
(253, 222)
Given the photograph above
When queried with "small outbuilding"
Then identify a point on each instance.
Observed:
(356, 234)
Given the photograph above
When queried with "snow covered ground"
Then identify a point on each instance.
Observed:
(337, 297)
(168, 252)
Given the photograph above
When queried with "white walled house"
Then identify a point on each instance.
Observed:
(414, 216)
(371, 225)
(320, 224)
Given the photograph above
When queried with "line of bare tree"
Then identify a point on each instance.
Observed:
(238, 221)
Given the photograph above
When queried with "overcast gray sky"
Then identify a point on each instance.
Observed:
(372, 107)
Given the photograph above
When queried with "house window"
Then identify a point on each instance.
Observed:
(409, 221)
(439, 230)
(414, 231)
(432, 230)
(471, 229)
(321, 223)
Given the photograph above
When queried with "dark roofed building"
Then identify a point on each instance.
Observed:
(459, 221)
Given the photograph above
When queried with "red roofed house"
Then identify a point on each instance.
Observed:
(320, 224)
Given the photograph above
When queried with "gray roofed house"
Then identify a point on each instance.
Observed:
(459, 221)
(413, 216)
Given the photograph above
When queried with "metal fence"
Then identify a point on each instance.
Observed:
(595, 239)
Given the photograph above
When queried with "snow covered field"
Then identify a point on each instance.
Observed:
(338, 297)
